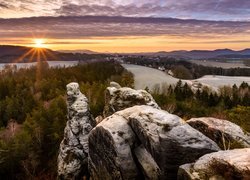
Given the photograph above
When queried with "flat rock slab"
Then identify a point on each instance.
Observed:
(223, 132)
(231, 164)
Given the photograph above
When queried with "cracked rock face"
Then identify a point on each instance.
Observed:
(221, 130)
(118, 98)
(231, 164)
(73, 154)
(110, 155)
(144, 142)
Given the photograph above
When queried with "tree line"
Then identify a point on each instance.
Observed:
(203, 102)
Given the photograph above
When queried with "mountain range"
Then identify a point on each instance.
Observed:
(206, 54)
(9, 53)
(81, 51)
(194, 54)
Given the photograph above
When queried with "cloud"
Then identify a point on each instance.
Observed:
(130, 10)
(28, 8)
(192, 9)
(120, 34)
(4, 5)
(86, 27)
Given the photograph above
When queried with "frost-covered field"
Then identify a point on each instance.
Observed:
(225, 65)
(149, 77)
(51, 64)
(217, 81)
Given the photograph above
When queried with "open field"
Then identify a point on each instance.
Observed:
(149, 77)
(217, 81)
(51, 64)
(225, 65)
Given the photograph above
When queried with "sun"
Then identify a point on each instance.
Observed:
(39, 43)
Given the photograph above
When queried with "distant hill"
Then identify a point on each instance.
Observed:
(13, 50)
(206, 54)
(17, 50)
(83, 51)
(11, 54)
(198, 54)
(245, 52)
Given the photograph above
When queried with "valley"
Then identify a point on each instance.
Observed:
(150, 77)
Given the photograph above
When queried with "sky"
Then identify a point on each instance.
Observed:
(127, 26)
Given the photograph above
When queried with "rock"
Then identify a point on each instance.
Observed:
(143, 141)
(118, 98)
(225, 133)
(72, 159)
(170, 140)
(98, 119)
(147, 164)
(110, 156)
(115, 84)
(231, 164)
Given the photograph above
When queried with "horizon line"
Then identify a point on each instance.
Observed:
(13, 45)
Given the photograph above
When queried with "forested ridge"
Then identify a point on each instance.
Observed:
(10, 54)
(33, 113)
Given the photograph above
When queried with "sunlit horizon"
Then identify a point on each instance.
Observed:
(39, 43)
(129, 44)
(126, 26)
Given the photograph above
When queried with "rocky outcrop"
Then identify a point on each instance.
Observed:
(143, 141)
(231, 164)
(73, 154)
(225, 133)
(138, 140)
(118, 98)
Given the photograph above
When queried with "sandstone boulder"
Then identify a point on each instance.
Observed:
(143, 141)
(147, 164)
(169, 139)
(231, 164)
(73, 153)
(98, 119)
(110, 155)
(225, 133)
(118, 98)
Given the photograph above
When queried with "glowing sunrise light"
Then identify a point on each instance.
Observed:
(39, 43)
